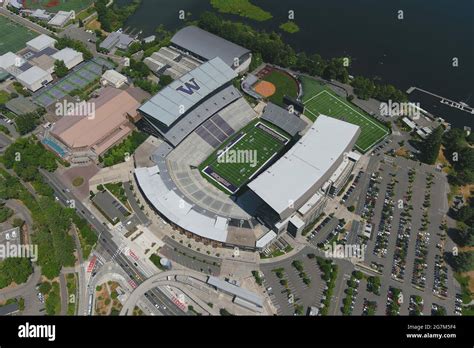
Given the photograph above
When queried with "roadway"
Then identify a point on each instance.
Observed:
(105, 238)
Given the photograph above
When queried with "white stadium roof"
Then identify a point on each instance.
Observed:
(176, 209)
(187, 91)
(305, 163)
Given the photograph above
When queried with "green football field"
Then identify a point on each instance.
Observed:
(13, 36)
(320, 100)
(285, 85)
(239, 159)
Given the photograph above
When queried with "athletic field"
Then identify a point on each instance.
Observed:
(319, 99)
(13, 36)
(57, 5)
(242, 156)
(284, 85)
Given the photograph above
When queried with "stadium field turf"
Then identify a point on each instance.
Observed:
(242, 156)
(13, 36)
(318, 99)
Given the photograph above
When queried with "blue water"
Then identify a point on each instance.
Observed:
(415, 51)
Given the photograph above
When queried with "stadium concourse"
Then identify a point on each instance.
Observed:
(201, 116)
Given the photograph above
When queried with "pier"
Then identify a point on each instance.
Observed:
(458, 105)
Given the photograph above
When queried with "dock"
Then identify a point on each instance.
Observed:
(446, 101)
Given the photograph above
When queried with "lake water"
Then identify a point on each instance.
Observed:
(415, 51)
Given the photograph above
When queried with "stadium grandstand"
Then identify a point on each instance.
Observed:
(206, 46)
(186, 103)
(308, 166)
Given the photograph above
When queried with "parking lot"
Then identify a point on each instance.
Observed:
(405, 206)
(289, 293)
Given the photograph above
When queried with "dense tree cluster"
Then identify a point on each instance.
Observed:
(14, 269)
(430, 146)
(460, 155)
(25, 156)
(366, 88)
(60, 68)
(112, 18)
(118, 153)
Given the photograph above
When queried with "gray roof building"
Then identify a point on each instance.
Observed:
(283, 119)
(207, 46)
(181, 96)
(117, 39)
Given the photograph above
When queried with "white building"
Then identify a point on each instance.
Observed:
(40, 14)
(9, 60)
(34, 78)
(61, 18)
(41, 42)
(69, 56)
(113, 78)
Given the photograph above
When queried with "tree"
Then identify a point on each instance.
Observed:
(430, 146)
(60, 68)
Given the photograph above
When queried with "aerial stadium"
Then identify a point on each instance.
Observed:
(229, 174)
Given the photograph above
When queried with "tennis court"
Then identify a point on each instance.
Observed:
(80, 77)
(318, 99)
(13, 36)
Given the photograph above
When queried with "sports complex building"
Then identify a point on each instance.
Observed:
(229, 176)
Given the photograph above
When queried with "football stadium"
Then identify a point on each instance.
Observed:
(237, 161)
(232, 174)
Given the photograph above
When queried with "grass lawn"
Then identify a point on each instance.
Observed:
(319, 99)
(253, 147)
(58, 5)
(77, 181)
(13, 36)
(242, 8)
(290, 27)
(4, 97)
(71, 290)
(118, 191)
(285, 85)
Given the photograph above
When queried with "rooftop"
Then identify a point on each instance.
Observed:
(41, 42)
(111, 108)
(178, 210)
(33, 74)
(305, 163)
(67, 54)
(207, 45)
(186, 92)
(61, 18)
(235, 290)
(283, 119)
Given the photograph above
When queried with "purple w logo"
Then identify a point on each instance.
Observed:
(189, 87)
